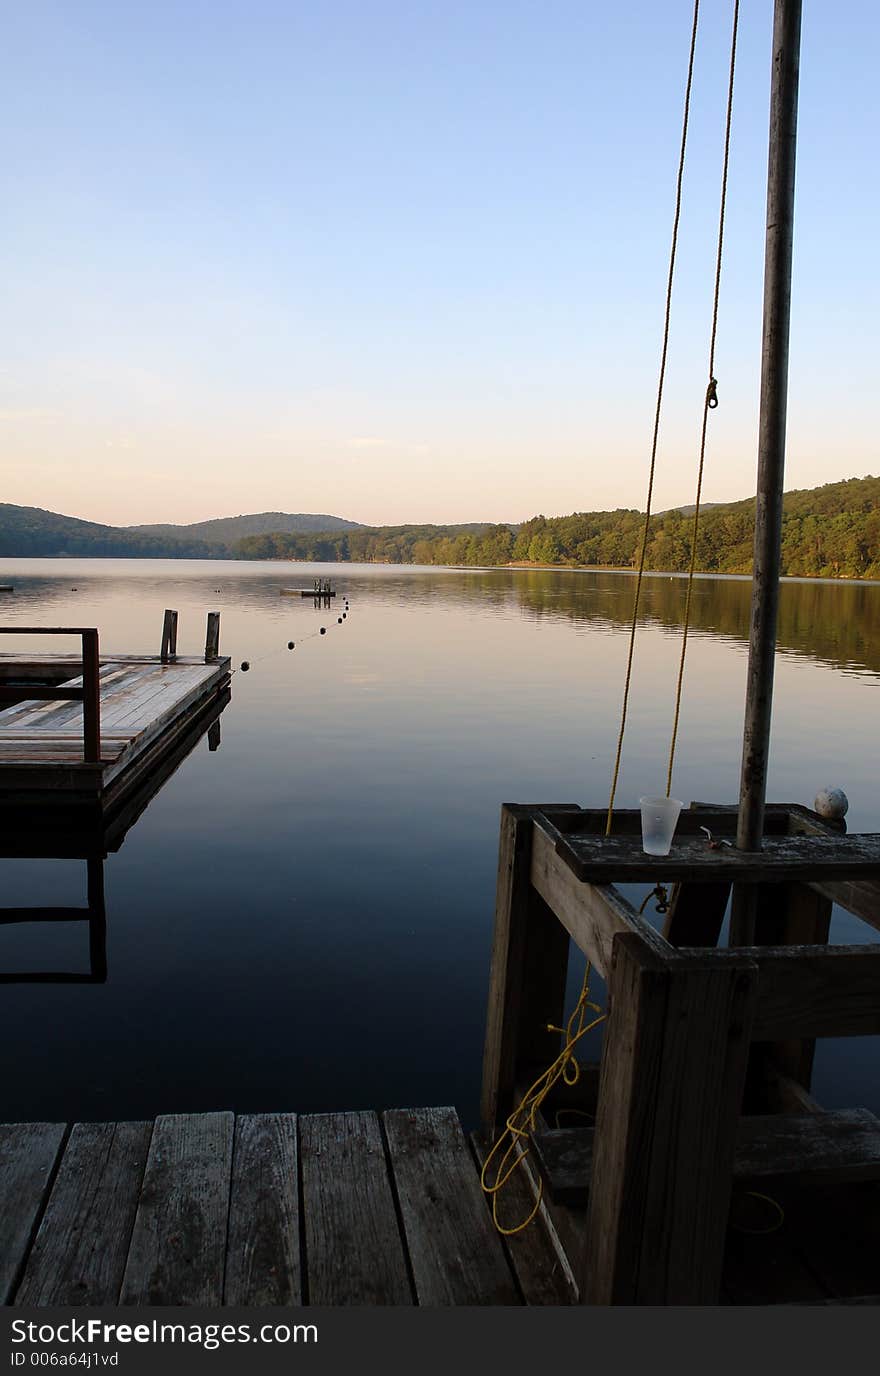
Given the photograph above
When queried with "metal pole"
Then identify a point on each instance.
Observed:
(771, 445)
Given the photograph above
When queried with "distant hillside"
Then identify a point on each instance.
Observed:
(830, 532)
(29, 531)
(226, 530)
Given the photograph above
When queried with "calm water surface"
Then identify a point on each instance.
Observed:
(302, 919)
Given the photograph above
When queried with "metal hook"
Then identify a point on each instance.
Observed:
(712, 394)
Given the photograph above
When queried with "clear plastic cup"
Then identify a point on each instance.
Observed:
(659, 819)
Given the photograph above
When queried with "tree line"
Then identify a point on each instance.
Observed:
(831, 531)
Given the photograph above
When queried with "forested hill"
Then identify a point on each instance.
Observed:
(831, 531)
(31, 532)
(227, 530)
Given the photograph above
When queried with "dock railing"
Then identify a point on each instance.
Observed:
(683, 1018)
(88, 693)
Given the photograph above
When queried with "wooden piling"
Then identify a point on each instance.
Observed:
(212, 637)
(169, 637)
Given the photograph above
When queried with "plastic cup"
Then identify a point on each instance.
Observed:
(659, 819)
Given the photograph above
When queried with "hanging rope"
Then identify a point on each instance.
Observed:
(662, 377)
(513, 1142)
(710, 402)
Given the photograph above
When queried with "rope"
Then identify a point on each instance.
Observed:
(710, 402)
(523, 1119)
(662, 377)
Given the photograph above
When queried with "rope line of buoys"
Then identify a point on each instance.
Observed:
(246, 664)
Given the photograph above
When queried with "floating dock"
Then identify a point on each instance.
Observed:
(88, 728)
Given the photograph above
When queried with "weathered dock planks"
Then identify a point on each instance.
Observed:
(142, 701)
(263, 1209)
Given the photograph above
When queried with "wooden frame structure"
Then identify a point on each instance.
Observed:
(88, 692)
(688, 1026)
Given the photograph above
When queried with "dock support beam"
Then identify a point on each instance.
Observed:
(91, 698)
(527, 980)
(673, 1072)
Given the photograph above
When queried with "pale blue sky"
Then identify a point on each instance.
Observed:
(407, 261)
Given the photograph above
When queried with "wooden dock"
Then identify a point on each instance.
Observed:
(271, 1209)
(702, 1106)
(90, 727)
(348, 1209)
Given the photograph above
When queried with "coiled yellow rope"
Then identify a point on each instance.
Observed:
(512, 1145)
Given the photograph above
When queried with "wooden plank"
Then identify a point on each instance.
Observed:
(156, 688)
(565, 1158)
(354, 1252)
(33, 715)
(861, 897)
(673, 1067)
(705, 1057)
(28, 1155)
(814, 991)
(215, 678)
(262, 1251)
(138, 783)
(454, 1250)
(791, 914)
(805, 1149)
(592, 914)
(79, 1253)
(536, 1256)
(528, 972)
(91, 688)
(620, 859)
(178, 1243)
(719, 818)
(810, 1149)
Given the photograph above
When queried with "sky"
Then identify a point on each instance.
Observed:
(406, 262)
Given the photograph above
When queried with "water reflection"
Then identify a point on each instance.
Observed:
(94, 914)
(304, 920)
(834, 623)
(89, 832)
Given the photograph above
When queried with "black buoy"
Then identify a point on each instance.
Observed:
(344, 615)
(290, 644)
(339, 620)
(244, 666)
(323, 630)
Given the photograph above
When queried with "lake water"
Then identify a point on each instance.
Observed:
(302, 919)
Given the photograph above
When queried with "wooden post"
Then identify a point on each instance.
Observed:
(91, 698)
(771, 448)
(169, 637)
(527, 980)
(673, 1069)
(212, 637)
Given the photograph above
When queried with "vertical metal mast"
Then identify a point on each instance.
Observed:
(771, 445)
